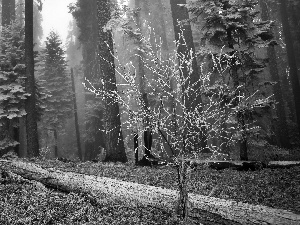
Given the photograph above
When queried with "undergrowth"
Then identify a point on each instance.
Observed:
(278, 188)
(22, 203)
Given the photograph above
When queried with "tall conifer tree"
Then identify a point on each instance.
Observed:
(57, 84)
(232, 27)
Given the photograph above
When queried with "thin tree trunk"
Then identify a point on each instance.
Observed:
(291, 58)
(136, 147)
(22, 138)
(243, 141)
(185, 43)
(114, 139)
(31, 117)
(182, 207)
(141, 84)
(76, 118)
(55, 144)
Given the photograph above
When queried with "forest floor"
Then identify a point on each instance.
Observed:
(22, 204)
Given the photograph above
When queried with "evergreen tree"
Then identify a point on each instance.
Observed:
(12, 84)
(233, 27)
(85, 14)
(56, 83)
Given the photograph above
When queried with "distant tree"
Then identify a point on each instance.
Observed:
(8, 12)
(291, 58)
(114, 144)
(85, 13)
(31, 117)
(73, 45)
(37, 27)
(281, 128)
(56, 83)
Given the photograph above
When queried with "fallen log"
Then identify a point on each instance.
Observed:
(133, 194)
(244, 165)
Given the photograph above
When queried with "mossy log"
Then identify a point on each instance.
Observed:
(133, 193)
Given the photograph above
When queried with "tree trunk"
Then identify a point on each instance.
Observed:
(182, 204)
(31, 117)
(281, 124)
(55, 144)
(184, 38)
(114, 139)
(76, 118)
(136, 147)
(291, 58)
(236, 82)
(224, 211)
(22, 137)
(141, 84)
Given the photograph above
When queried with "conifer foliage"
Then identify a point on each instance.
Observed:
(56, 83)
(12, 82)
(233, 27)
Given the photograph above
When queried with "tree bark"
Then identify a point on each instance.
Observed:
(22, 137)
(55, 144)
(291, 58)
(228, 211)
(141, 84)
(31, 117)
(114, 139)
(76, 118)
(281, 124)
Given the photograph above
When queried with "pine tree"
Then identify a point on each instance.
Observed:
(56, 83)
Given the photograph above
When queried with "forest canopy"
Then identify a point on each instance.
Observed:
(153, 79)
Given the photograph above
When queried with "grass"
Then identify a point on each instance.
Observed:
(22, 204)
